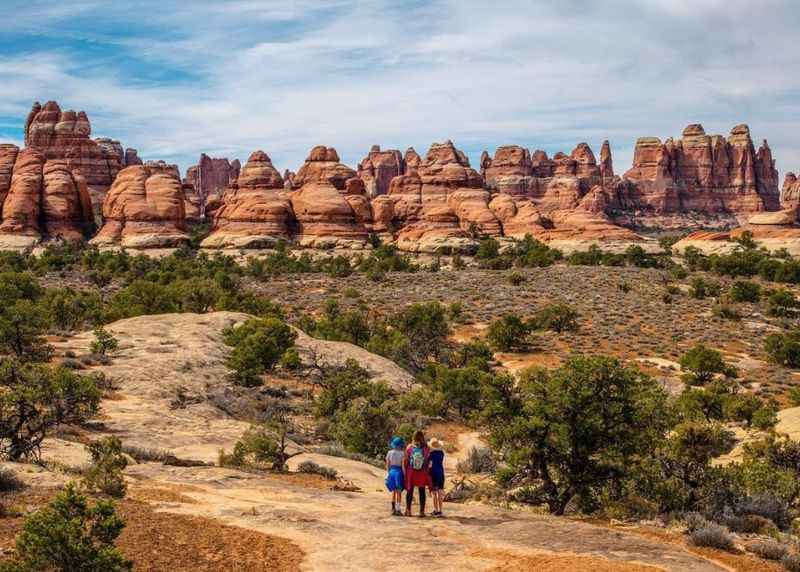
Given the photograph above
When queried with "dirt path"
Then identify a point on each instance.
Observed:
(354, 531)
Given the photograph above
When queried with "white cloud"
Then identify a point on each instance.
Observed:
(284, 76)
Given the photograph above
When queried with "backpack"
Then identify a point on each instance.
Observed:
(417, 458)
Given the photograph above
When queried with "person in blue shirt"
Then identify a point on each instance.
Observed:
(437, 476)
(395, 478)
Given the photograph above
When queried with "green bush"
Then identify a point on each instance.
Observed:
(508, 333)
(712, 536)
(35, 399)
(22, 325)
(258, 345)
(784, 349)
(104, 474)
(70, 535)
(782, 304)
(701, 364)
(104, 342)
(744, 291)
(558, 317)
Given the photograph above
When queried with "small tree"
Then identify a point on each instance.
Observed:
(559, 317)
(508, 333)
(70, 535)
(782, 304)
(784, 349)
(426, 328)
(22, 324)
(104, 341)
(257, 347)
(744, 291)
(702, 364)
(35, 399)
(576, 428)
(104, 475)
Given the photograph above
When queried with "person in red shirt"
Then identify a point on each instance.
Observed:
(416, 465)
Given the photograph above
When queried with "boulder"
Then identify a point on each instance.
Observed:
(255, 211)
(45, 199)
(144, 208)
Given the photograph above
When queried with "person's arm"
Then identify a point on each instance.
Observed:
(386, 461)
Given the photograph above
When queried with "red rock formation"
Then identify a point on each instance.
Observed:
(145, 208)
(44, 198)
(65, 136)
(8, 156)
(606, 163)
(210, 176)
(255, 210)
(324, 200)
(702, 173)
(378, 169)
(790, 194)
(510, 171)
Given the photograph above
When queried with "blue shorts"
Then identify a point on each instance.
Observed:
(395, 480)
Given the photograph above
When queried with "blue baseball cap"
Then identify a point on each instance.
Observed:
(397, 442)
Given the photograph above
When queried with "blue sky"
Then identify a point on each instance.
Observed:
(174, 79)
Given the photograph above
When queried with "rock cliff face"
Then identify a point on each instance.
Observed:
(41, 198)
(65, 136)
(702, 173)
(378, 169)
(255, 210)
(145, 208)
(422, 204)
(211, 176)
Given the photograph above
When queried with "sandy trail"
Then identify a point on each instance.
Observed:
(354, 531)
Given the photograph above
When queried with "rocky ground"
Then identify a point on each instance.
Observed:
(294, 520)
(213, 519)
(623, 313)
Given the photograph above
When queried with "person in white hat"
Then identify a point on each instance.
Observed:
(437, 476)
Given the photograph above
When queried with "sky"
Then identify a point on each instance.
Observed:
(174, 79)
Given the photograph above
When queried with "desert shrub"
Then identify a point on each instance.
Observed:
(376, 274)
(765, 505)
(310, 467)
(701, 364)
(35, 399)
(68, 310)
(471, 354)
(784, 349)
(558, 317)
(9, 481)
(701, 288)
(385, 258)
(342, 325)
(258, 345)
(712, 535)
(782, 304)
(591, 257)
(508, 333)
(745, 291)
(635, 255)
(337, 266)
(768, 549)
(261, 446)
(69, 535)
(198, 295)
(290, 360)
(530, 252)
(104, 474)
(694, 521)
(791, 562)
(104, 341)
(340, 385)
(477, 460)
(22, 325)
(726, 312)
(749, 524)
(516, 279)
(141, 297)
